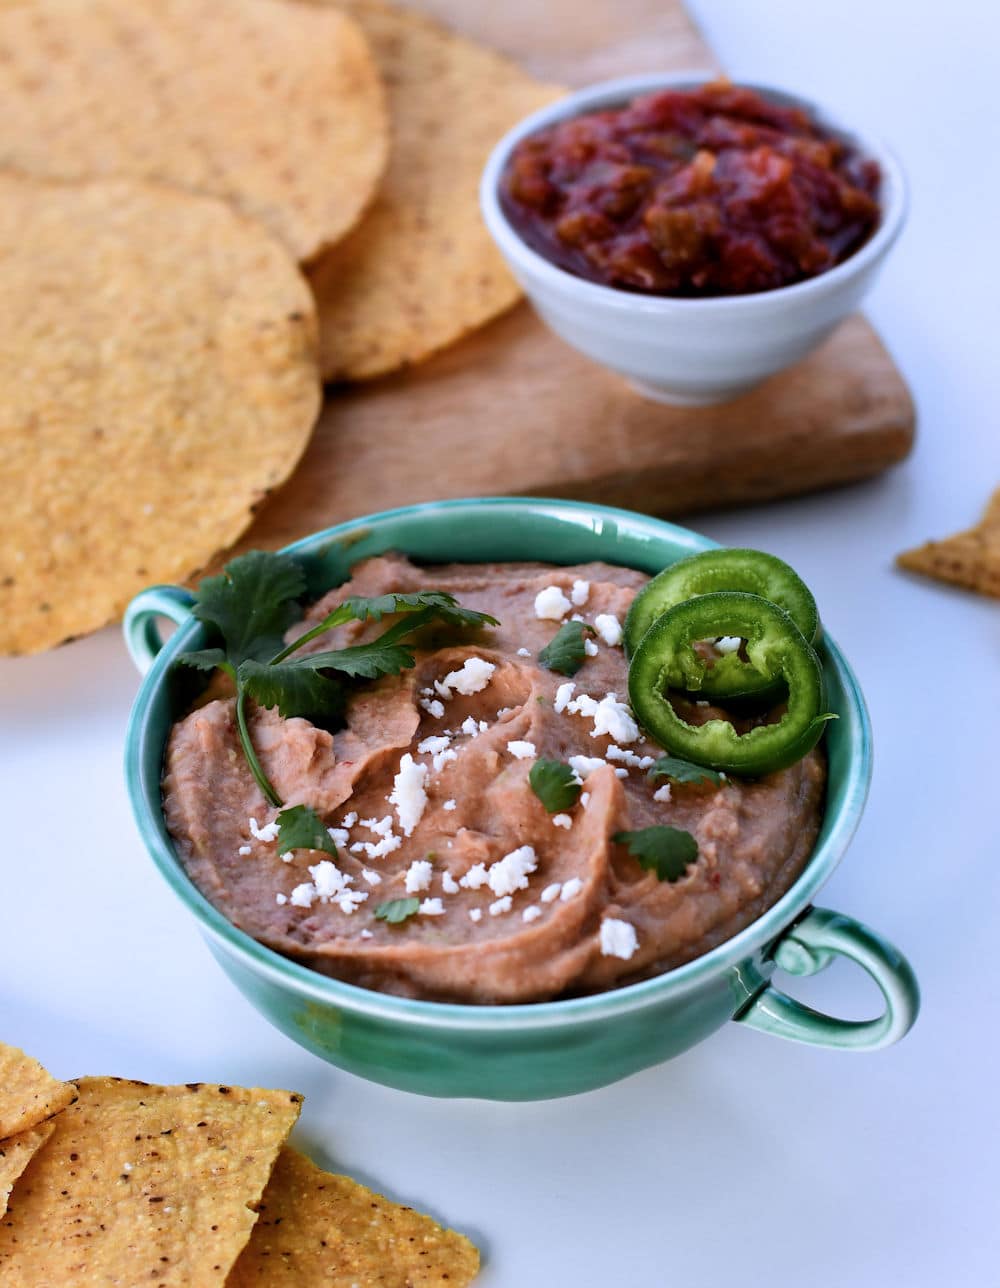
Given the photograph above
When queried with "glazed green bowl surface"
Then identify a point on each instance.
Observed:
(546, 1049)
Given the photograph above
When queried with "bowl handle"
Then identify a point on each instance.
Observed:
(140, 627)
(805, 948)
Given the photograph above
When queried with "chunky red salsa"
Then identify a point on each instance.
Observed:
(709, 191)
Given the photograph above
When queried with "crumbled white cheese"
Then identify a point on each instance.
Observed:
(434, 744)
(662, 794)
(303, 895)
(281, 898)
(409, 793)
(442, 758)
(580, 592)
(267, 833)
(349, 819)
(348, 900)
(551, 604)
(524, 652)
(473, 727)
(371, 877)
(475, 877)
(500, 905)
(328, 879)
(531, 913)
(562, 820)
(511, 872)
(448, 806)
(504, 711)
(522, 750)
(339, 836)
(244, 850)
(626, 757)
(590, 648)
(473, 676)
(728, 644)
(475, 914)
(609, 628)
(378, 849)
(614, 719)
(366, 934)
(418, 876)
(448, 883)
(584, 765)
(287, 856)
(571, 889)
(433, 707)
(380, 826)
(551, 892)
(431, 908)
(618, 938)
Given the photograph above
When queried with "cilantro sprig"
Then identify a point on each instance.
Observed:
(565, 652)
(684, 771)
(252, 603)
(555, 784)
(301, 828)
(395, 911)
(667, 851)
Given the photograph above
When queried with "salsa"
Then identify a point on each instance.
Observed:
(692, 192)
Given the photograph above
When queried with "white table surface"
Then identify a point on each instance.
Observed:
(748, 1161)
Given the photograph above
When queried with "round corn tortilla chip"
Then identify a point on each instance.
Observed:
(142, 1184)
(158, 377)
(275, 107)
(421, 269)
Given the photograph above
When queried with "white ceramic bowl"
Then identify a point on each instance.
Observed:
(690, 351)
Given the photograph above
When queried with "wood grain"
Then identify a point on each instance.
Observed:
(512, 409)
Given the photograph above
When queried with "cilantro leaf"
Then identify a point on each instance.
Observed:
(396, 910)
(294, 690)
(252, 603)
(684, 771)
(667, 851)
(206, 659)
(301, 828)
(564, 652)
(555, 784)
(429, 605)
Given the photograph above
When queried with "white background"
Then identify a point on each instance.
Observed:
(747, 1161)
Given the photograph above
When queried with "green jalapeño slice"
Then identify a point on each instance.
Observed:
(776, 650)
(716, 570)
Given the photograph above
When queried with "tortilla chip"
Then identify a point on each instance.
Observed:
(421, 269)
(970, 559)
(16, 1153)
(157, 378)
(276, 107)
(28, 1093)
(143, 1184)
(315, 1228)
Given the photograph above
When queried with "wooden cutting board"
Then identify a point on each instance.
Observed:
(511, 409)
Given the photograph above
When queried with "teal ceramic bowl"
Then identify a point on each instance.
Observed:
(547, 1049)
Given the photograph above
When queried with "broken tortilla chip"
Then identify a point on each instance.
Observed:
(970, 559)
(277, 108)
(145, 1184)
(28, 1093)
(158, 378)
(16, 1153)
(421, 269)
(316, 1228)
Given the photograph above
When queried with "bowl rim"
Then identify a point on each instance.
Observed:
(314, 986)
(607, 93)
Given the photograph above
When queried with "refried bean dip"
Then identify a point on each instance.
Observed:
(426, 789)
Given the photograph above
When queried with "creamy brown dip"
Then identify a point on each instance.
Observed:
(523, 930)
